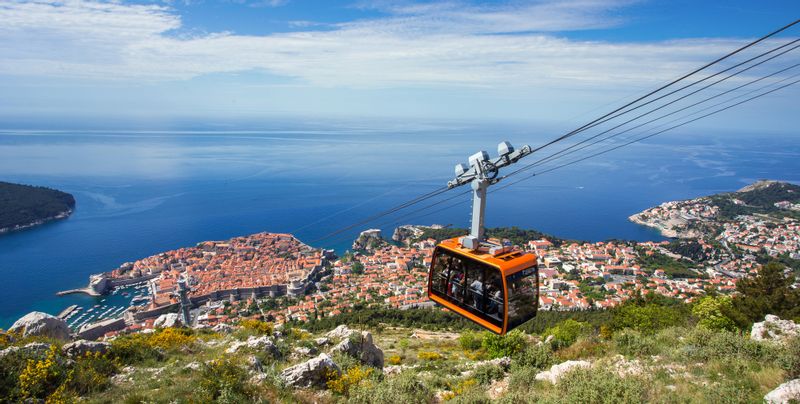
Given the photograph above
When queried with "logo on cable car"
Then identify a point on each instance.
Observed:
(521, 274)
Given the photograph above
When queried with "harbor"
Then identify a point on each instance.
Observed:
(106, 307)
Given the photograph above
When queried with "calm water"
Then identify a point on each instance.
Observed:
(142, 193)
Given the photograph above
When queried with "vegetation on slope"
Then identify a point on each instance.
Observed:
(758, 199)
(651, 349)
(21, 205)
(514, 234)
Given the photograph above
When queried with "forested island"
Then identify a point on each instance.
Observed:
(23, 206)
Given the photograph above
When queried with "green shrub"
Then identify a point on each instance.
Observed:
(711, 313)
(486, 374)
(648, 318)
(134, 348)
(498, 346)
(594, 386)
(91, 373)
(535, 356)
(403, 388)
(632, 343)
(471, 340)
(567, 332)
(223, 381)
(790, 358)
(704, 345)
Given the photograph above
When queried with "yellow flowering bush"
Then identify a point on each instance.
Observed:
(430, 356)
(40, 377)
(395, 360)
(171, 338)
(261, 327)
(459, 389)
(341, 384)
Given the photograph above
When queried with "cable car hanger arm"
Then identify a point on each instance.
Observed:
(483, 172)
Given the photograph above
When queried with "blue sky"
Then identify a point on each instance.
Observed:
(546, 62)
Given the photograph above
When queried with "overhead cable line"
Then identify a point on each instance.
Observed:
(572, 148)
(665, 86)
(652, 134)
(606, 117)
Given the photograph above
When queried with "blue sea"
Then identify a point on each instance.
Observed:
(142, 192)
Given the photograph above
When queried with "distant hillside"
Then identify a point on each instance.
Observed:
(23, 206)
(759, 197)
(514, 234)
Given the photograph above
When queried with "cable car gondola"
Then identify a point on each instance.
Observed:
(488, 282)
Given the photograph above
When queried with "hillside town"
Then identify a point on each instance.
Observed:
(277, 277)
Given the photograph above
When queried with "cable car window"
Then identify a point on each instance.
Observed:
(523, 296)
(472, 286)
(475, 278)
(494, 294)
(440, 273)
(456, 285)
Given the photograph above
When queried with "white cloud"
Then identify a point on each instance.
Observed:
(438, 44)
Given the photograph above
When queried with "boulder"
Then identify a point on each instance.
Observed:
(167, 320)
(222, 328)
(314, 372)
(302, 351)
(36, 349)
(255, 364)
(193, 366)
(774, 329)
(498, 388)
(41, 324)
(788, 392)
(361, 347)
(82, 347)
(504, 363)
(341, 331)
(556, 371)
(322, 341)
(263, 343)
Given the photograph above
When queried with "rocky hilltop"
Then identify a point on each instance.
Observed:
(24, 206)
(705, 216)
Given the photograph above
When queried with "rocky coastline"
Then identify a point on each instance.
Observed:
(61, 215)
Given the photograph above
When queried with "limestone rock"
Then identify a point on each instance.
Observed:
(341, 331)
(193, 366)
(774, 329)
(222, 328)
(37, 349)
(263, 343)
(313, 372)
(497, 388)
(167, 320)
(322, 341)
(361, 347)
(556, 371)
(503, 363)
(37, 323)
(785, 393)
(82, 347)
(255, 364)
(302, 351)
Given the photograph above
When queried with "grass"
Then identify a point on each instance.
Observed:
(672, 365)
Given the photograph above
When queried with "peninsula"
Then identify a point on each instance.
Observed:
(24, 206)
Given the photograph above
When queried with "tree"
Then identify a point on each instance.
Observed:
(769, 292)
(357, 268)
(712, 313)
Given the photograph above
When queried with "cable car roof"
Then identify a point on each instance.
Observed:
(508, 262)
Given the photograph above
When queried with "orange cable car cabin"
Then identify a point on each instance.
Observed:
(489, 283)
(497, 288)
